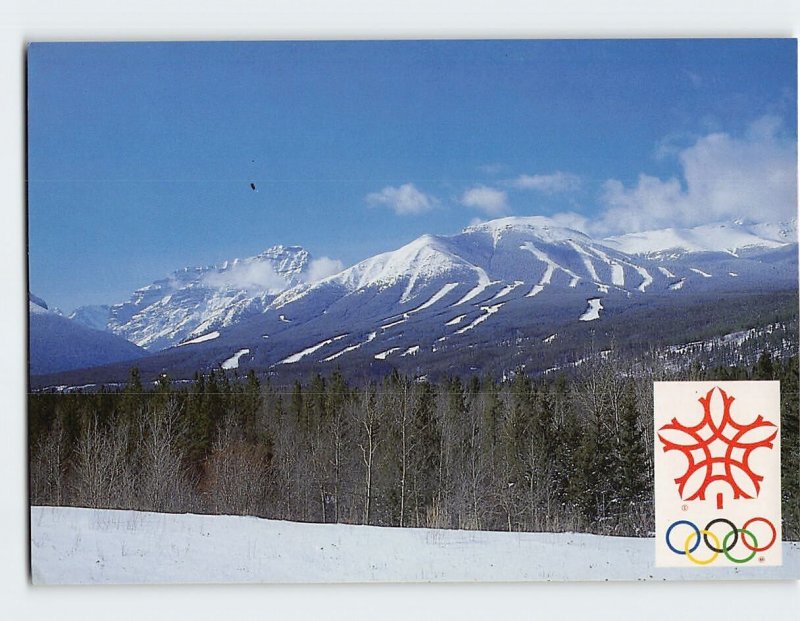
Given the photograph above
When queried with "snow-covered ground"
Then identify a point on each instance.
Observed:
(79, 546)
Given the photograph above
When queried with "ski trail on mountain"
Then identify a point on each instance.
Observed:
(506, 290)
(488, 312)
(552, 266)
(435, 297)
(370, 337)
(617, 271)
(233, 361)
(586, 258)
(428, 303)
(382, 355)
(483, 282)
(310, 350)
(593, 311)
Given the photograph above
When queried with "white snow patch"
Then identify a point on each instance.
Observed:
(677, 285)
(233, 361)
(734, 274)
(283, 319)
(455, 320)
(647, 279)
(436, 297)
(719, 236)
(310, 350)
(342, 352)
(72, 545)
(411, 351)
(587, 261)
(488, 310)
(617, 271)
(701, 272)
(617, 274)
(666, 272)
(383, 354)
(593, 311)
(201, 339)
(393, 323)
(552, 266)
(483, 282)
(536, 289)
(370, 337)
(601, 288)
(550, 338)
(506, 290)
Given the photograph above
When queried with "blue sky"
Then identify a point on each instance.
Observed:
(140, 156)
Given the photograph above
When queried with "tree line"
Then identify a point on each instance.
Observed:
(571, 453)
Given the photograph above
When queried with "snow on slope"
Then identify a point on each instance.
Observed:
(92, 546)
(425, 257)
(202, 339)
(724, 236)
(551, 267)
(233, 361)
(56, 343)
(701, 272)
(370, 337)
(592, 312)
(193, 301)
(95, 316)
(483, 282)
(483, 264)
(384, 354)
(488, 312)
(310, 350)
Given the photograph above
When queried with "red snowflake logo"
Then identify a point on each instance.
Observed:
(718, 449)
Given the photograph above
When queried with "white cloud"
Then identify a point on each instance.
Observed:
(571, 220)
(250, 276)
(722, 177)
(491, 201)
(554, 183)
(404, 200)
(322, 268)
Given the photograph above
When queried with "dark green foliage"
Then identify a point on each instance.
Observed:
(544, 454)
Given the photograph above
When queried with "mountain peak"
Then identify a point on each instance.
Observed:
(37, 301)
(542, 226)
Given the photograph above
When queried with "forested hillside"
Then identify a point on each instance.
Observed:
(572, 452)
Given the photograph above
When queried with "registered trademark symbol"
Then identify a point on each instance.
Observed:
(761, 559)
(684, 507)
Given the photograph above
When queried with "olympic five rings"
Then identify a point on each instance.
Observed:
(692, 541)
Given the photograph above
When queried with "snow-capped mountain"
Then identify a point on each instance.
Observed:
(194, 301)
(58, 343)
(520, 289)
(732, 237)
(93, 316)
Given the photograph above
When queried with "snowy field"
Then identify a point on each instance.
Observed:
(90, 546)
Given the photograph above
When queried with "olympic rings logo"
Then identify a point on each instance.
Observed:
(689, 545)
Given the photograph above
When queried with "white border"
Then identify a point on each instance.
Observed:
(307, 19)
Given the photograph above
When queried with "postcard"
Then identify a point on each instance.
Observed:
(419, 311)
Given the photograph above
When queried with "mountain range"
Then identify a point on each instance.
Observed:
(58, 344)
(508, 293)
